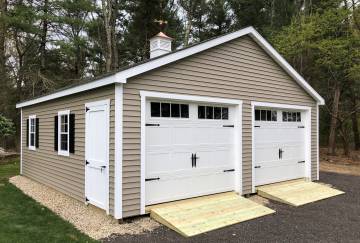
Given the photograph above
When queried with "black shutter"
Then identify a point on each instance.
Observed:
(72, 133)
(37, 133)
(56, 133)
(27, 132)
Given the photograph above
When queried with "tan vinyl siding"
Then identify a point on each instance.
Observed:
(65, 174)
(240, 70)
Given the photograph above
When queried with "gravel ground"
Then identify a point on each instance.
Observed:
(89, 220)
(332, 220)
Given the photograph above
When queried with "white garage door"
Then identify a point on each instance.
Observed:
(279, 145)
(189, 150)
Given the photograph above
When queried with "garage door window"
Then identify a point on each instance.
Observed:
(265, 115)
(173, 110)
(213, 112)
(291, 116)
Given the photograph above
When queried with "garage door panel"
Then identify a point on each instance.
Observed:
(158, 135)
(171, 171)
(279, 150)
(289, 172)
(215, 158)
(181, 134)
(162, 190)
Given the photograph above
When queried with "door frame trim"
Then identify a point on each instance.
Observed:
(107, 128)
(307, 122)
(171, 96)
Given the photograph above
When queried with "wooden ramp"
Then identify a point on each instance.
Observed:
(297, 192)
(202, 214)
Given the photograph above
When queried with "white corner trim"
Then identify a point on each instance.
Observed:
(122, 76)
(118, 150)
(307, 120)
(142, 152)
(238, 149)
(29, 131)
(77, 89)
(238, 152)
(253, 147)
(63, 152)
(21, 141)
(317, 145)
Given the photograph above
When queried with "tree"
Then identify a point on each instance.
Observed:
(142, 26)
(321, 45)
(193, 9)
(219, 19)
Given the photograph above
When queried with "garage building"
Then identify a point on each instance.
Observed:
(227, 114)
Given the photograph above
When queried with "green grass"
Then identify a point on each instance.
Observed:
(24, 220)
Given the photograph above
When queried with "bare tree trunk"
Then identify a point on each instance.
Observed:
(355, 124)
(115, 61)
(3, 8)
(345, 141)
(333, 123)
(107, 12)
(44, 34)
(355, 128)
(187, 30)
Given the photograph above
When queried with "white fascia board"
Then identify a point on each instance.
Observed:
(122, 76)
(161, 61)
(77, 89)
(215, 42)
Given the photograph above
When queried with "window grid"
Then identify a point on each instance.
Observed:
(265, 115)
(169, 110)
(291, 116)
(63, 132)
(32, 131)
(213, 112)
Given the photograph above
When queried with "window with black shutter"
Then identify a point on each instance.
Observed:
(32, 132)
(56, 133)
(72, 134)
(65, 133)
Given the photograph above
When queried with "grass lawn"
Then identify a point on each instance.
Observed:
(24, 220)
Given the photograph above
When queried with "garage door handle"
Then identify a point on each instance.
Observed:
(195, 158)
(257, 166)
(303, 161)
(152, 179)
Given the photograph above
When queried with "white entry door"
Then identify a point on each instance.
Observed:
(279, 146)
(97, 153)
(188, 156)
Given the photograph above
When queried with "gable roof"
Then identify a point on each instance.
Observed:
(121, 75)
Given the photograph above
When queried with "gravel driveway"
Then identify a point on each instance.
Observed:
(332, 220)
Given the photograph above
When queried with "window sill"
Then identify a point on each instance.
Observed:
(64, 153)
(32, 148)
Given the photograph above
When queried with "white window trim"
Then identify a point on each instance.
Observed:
(307, 122)
(146, 95)
(32, 117)
(63, 152)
